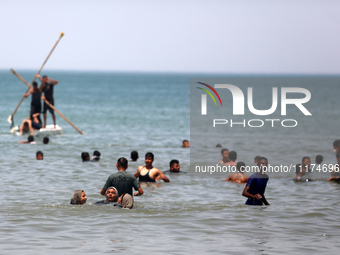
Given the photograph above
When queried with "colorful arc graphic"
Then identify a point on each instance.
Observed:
(218, 96)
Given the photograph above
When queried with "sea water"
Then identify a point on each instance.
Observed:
(195, 213)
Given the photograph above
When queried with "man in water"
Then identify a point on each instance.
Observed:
(122, 181)
(256, 185)
(174, 167)
(225, 157)
(134, 155)
(238, 177)
(148, 173)
(335, 174)
(47, 86)
(39, 155)
(302, 169)
(185, 144)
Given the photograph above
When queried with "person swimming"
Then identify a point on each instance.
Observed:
(111, 195)
(79, 197)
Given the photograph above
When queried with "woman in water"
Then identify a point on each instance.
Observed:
(79, 197)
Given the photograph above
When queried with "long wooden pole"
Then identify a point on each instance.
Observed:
(48, 103)
(42, 66)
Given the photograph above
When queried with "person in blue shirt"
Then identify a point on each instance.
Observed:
(256, 185)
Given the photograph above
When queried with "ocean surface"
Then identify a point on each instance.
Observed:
(197, 212)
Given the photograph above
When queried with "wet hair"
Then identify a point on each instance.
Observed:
(232, 155)
(122, 162)
(85, 156)
(218, 145)
(45, 76)
(174, 161)
(185, 141)
(149, 155)
(30, 138)
(96, 156)
(318, 159)
(75, 200)
(34, 83)
(39, 153)
(223, 150)
(134, 155)
(26, 124)
(46, 140)
(240, 166)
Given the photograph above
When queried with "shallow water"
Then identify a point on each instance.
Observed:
(194, 213)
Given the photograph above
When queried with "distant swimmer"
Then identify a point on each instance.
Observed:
(96, 156)
(174, 167)
(256, 159)
(302, 169)
(85, 156)
(238, 177)
(123, 181)
(185, 144)
(225, 157)
(30, 140)
(79, 197)
(134, 156)
(232, 159)
(148, 173)
(39, 155)
(36, 100)
(46, 87)
(335, 174)
(256, 185)
(336, 145)
(46, 140)
(318, 159)
(111, 195)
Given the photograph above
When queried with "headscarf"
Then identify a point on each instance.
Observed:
(127, 201)
(111, 187)
(75, 200)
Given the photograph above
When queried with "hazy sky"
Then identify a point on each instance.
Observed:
(297, 37)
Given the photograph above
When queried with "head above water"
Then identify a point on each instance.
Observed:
(46, 140)
(240, 166)
(30, 138)
(85, 156)
(336, 145)
(134, 155)
(185, 144)
(233, 155)
(39, 155)
(318, 159)
(78, 198)
(174, 165)
(96, 155)
(111, 194)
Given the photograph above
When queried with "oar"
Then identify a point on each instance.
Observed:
(48, 103)
(10, 118)
(69, 122)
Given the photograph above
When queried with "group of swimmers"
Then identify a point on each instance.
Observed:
(118, 189)
(256, 183)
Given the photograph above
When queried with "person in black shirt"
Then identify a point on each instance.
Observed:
(47, 86)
